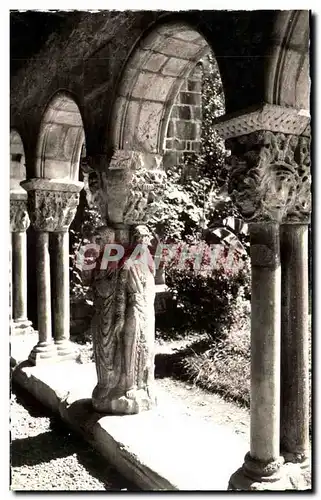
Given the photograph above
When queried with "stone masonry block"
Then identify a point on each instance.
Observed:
(180, 48)
(171, 129)
(175, 112)
(190, 98)
(147, 130)
(194, 86)
(179, 145)
(131, 119)
(196, 146)
(184, 112)
(186, 130)
(155, 62)
(153, 86)
(196, 112)
(189, 36)
(174, 66)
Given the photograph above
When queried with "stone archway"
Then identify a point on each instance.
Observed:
(53, 197)
(287, 75)
(17, 161)
(60, 140)
(155, 71)
(270, 153)
(151, 80)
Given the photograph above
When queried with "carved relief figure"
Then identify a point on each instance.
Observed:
(139, 323)
(123, 330)
(104, 330)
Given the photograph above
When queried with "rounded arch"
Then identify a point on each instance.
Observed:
(17, 161)
(288, 82)
(60, 140)
(150, 82)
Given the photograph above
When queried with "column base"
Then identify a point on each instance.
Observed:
(301, 459)
(43, 353)
(21, 327)
(66, 350)
(131, 403)
(272, 476)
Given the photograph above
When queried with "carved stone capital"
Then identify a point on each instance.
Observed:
(19, 218)
(52, 205)
(266, 117)
(268, 176)
(126, 191)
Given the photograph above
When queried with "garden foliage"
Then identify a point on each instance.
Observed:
(194, 200)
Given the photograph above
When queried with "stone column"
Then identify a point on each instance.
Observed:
(44, 350)
(19, 222)
(263, 461)
(62, 298)
(52, 207)
(264, 179)
(123, 326)
(295, 344)
(295, 320)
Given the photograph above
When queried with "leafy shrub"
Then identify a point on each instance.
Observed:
(80, 234)
(209, 301)
(86, 220)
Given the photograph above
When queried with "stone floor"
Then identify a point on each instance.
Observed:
(164, 449)
(167, 448)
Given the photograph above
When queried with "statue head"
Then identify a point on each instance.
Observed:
(142, 235)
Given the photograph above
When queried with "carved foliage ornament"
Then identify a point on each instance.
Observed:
(268, 176)
(134, 181)
(19, 219)
(52, 210)
(145, 188)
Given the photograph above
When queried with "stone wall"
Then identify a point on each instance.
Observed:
(184, 126)
(88, 57)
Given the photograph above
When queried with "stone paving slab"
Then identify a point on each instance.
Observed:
(161, 449)
(21, 346)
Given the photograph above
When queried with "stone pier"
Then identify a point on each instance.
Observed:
(268, 178)
(123, 326)
(52, 207)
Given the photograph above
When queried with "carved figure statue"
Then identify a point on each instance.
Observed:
(123, 330)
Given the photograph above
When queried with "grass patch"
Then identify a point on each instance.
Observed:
(224, 367)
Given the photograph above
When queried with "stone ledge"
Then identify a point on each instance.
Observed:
(265, 117)
(161, 449)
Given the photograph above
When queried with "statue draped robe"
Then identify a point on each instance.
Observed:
(123, 338)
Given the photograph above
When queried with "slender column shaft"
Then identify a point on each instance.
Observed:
(295, 343)
(62, 303)
(19, 254)
(265, 342)
(43, 287)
